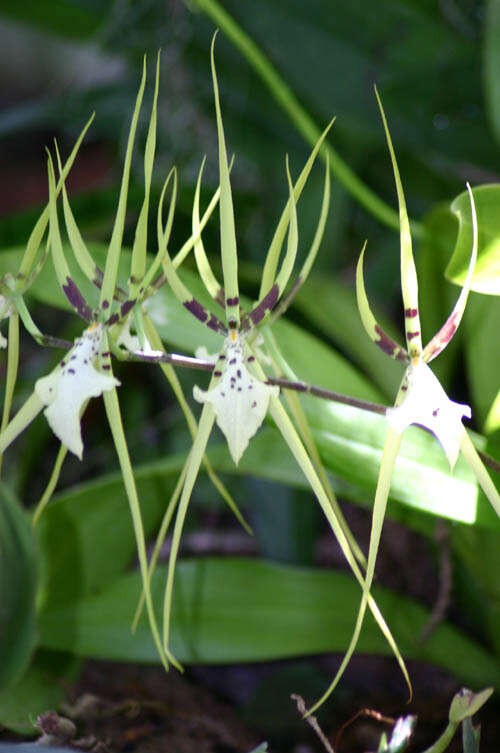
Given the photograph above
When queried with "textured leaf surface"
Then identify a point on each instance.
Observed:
(231, 610)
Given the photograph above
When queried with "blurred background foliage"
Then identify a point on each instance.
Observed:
(435, 64)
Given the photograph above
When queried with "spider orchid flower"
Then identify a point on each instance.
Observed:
(421, 398)
(239, 395)
(86, 370)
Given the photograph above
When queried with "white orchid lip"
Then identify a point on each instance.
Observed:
(66, 390)
(423, 401)
(239, 399)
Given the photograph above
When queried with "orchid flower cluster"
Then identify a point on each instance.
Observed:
(241, 391)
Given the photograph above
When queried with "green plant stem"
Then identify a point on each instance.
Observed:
(442, 742)
(300, 117)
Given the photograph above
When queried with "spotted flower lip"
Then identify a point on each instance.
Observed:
(425, 402)
(66, 390)
(239, 399)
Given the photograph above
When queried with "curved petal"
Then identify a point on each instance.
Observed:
(373, 329)
(409, 284)
(443, 337)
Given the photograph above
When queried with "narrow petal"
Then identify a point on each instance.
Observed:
(426, 403)
(229, 254)
(373, 329)
(443, 337)
(409, 284)
(239, 400)
(66, 390)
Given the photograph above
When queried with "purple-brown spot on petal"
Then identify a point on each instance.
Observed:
(125, 307)
(112, 320)
(388, 345)
(410, 313)
(105, 304)
(77, 300)
(216, 324)
(411, 335)
(217, 373)
(196, 309)
(265, 305)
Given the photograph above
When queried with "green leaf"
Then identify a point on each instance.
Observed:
(18, 581)
(486, 277)
(237, 609)
(42, 687)
(482, 323)
(86, 535)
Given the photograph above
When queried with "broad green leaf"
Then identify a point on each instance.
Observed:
(89, 526)
(486, 277)
(482, 346)
(233, 610)
(42, 687)
(18, 581)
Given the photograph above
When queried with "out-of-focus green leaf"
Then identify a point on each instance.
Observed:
(231, 610)
(491, 62)
(482, 349)
(18, 580)
(486, 278)
(90, 526)
(39, 689)
(63, 17)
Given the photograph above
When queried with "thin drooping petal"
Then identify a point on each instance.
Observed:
(66, 390)
(426, 403)
(239, 400)
(443, 337)
(373, 329)
(409, 283)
